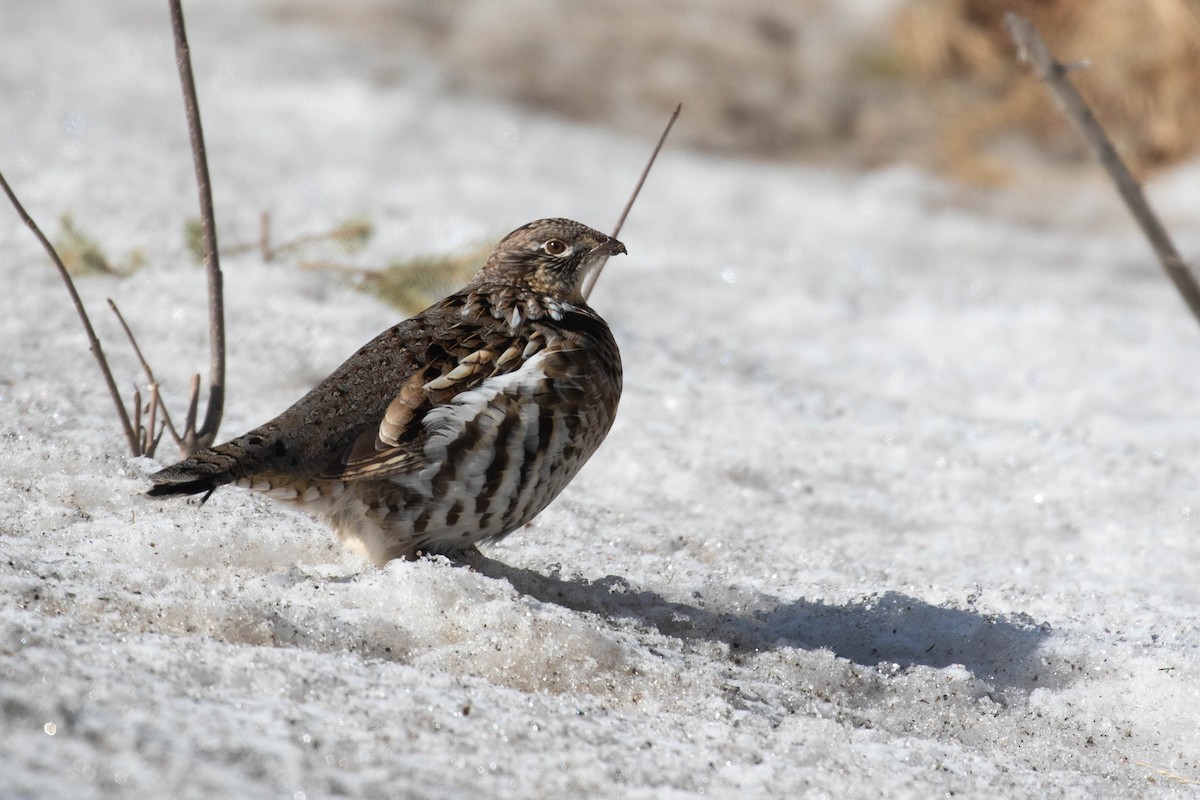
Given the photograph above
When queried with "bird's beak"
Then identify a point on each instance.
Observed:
(609, 247)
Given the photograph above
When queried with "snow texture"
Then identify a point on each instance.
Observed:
(901, 501)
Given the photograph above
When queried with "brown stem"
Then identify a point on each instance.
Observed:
(595, 274)
(264, 236)
(189, 421)
(195, 439)
(1032, 49)
(340, 269)
(152, 419)
(155, 397)
(132, 341)
(93, 341)
(306, 239)
(138, 430)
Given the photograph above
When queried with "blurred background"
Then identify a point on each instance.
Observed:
(857, 83)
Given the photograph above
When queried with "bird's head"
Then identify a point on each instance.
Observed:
(549, 257)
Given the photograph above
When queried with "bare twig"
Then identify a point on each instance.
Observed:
(1032, 48)
(189, 420)
(194, 439)
(350, 234)
(132, 341)
(93, 341)
(342, 233)
(155, 397)
(137, 420)
(339, 269)
(649, 165)
(264, 235)
(150, 445)
(595, 274)
(155, 402)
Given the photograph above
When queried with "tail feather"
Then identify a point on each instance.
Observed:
(206, 484)
(202, 472)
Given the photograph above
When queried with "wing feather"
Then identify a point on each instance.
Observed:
(429, 413)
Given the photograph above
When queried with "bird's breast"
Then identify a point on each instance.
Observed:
(498, 453)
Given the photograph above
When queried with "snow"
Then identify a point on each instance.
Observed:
(901, 500)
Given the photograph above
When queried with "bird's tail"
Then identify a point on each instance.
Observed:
(202, 472)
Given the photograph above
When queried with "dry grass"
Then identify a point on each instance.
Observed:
(1143, 79)
(410, 285)
(754, 76)
(82, 255)
(349, 237)
(808, 79)
(415, 284)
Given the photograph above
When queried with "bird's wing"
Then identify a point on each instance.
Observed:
(460, 397)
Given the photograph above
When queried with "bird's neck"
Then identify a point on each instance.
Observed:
(516, 306)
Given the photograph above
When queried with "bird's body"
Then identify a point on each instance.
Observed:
(455, 426)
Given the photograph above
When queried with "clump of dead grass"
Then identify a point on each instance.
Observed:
(82, 255)
(419, 282)
(1142, 80)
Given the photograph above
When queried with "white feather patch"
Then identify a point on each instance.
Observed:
(446, 423)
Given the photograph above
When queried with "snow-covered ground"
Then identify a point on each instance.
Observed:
(902, 499)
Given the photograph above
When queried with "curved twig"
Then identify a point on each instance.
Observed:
(207, 433)
(93, 342)
(155, 398)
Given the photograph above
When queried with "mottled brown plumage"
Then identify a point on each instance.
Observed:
(456, 426)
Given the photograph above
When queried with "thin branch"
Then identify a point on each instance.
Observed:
(595, 274)
(340, 269)
(350, 234)
(156, 398)
(93, 341)
(1032, 49)
(132, 341)
(168, 424)
(137, 421)
(194, 439)
(189, 421)
(264, 235)
(649, 165)
(151, 444)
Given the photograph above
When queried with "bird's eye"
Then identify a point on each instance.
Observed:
(555, 247)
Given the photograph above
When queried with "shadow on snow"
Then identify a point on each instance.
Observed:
(891, 629)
